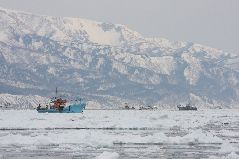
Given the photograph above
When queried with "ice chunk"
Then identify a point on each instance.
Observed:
(108, 155)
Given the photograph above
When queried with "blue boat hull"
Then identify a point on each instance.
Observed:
(72, 108)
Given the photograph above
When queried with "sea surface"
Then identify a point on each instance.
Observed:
(120, 134)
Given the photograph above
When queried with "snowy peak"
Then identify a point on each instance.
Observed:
(66, 29)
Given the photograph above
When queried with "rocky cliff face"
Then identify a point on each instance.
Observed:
(110, 64)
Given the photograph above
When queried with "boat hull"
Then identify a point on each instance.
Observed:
(71, 108)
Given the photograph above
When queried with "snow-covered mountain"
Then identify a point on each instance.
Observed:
(8, 101)
(109, 64)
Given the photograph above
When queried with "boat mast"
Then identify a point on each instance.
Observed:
(56, 91)
(189, 84)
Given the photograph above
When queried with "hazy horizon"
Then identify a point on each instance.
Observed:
(213, 23)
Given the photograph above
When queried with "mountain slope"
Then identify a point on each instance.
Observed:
(110, 64)
(8, 101)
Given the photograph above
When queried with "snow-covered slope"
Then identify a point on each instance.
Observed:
(8, 101)
(110, 64)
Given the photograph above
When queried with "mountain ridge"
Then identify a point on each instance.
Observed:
(110, 64)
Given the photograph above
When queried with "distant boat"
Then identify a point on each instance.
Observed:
(187, 107)
(127, 107)
(59, 105)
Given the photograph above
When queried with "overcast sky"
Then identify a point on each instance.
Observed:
(210, 22)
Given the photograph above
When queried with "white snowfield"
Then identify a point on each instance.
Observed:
(120, 134)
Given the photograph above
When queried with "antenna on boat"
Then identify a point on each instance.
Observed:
(56, 91)
(189, 100)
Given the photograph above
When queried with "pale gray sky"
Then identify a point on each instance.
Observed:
(210, 22)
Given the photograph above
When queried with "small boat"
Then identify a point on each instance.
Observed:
(187, 107)
(127, 107)
(59, 105)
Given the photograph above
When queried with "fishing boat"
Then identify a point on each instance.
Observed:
(59, 105)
